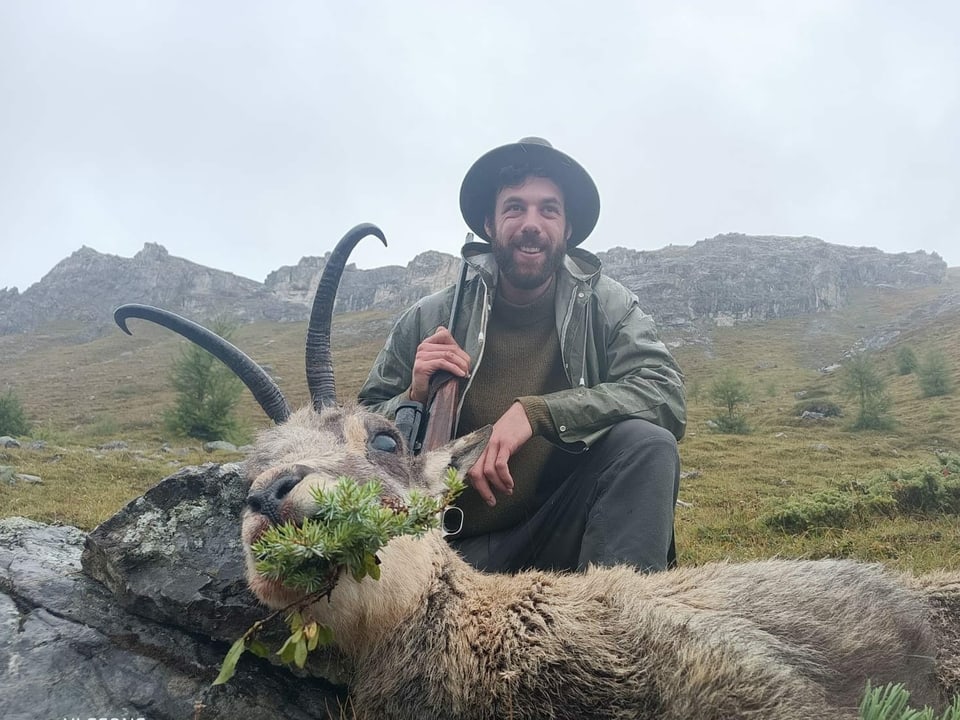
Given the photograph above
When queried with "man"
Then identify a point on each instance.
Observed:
(586, 403)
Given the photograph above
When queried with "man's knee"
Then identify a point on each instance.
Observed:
(634, 434)
(642, 461)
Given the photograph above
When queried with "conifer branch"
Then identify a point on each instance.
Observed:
(350, 524)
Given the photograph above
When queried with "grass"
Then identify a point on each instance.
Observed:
(83, 486)
(116, 387)
(79, 396)
(736, 479)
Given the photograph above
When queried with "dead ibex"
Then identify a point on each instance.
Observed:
(434, 638)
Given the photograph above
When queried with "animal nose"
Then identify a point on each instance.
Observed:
(267, 500)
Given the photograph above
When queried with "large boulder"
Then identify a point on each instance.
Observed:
(134, 619)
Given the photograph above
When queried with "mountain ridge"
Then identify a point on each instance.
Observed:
(717, 281)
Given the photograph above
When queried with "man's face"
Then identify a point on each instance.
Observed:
(529, 232)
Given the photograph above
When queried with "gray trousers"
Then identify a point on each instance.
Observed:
(615, 506)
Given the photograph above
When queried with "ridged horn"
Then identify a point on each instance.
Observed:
(323, 389)
(264, 389)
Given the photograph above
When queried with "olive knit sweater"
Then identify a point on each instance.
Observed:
(521, 361)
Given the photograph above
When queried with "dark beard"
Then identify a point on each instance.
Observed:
(522, 279)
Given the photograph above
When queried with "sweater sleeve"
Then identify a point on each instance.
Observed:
(538, 414)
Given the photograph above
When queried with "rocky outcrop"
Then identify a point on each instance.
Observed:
(8, 296)
(722, 280)
(732, 278)
(134, 619)
(388, 287)
(85, 288)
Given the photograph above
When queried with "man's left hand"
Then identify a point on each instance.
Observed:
(491, 472)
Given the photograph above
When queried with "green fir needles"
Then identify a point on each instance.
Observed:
(350, 524)
(890, 702)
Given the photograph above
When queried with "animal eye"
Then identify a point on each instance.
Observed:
(384, 442)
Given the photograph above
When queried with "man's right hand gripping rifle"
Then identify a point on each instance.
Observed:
(441, 353)
(437, 352)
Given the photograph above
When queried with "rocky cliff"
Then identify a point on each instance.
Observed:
(721, 280)
(87, 286)
(733, 277)
(387, 287)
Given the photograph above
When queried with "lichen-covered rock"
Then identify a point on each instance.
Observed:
(139, 626)
(173, 554)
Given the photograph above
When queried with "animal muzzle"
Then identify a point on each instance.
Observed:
(268, 500)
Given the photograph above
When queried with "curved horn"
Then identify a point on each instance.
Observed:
(323, 390)
(264, 389)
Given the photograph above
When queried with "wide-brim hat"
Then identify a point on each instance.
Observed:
(581, 198)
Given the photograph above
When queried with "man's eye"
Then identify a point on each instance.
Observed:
(512, 207)
(384, 442)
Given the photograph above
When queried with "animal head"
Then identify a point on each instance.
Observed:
(313, 449)
(314, 446)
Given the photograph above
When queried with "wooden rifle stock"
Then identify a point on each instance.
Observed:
(444, 387)
(442, 412)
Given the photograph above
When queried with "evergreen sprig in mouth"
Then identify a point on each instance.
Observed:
(301, 562)
(350, 523)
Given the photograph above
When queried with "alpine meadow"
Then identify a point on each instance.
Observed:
(790, 486)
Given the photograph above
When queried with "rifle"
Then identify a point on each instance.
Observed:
(430, 428)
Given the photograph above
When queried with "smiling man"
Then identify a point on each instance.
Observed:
(586, 403)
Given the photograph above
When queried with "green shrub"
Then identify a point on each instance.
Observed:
(933, 375)
(207, 393)
(728, 391)
(875, 419)
(827, 509)
(906, 360)
(13, 421)
(921, 489)
(863, 383)
(922, 492)
(731, 425)
(926, 489)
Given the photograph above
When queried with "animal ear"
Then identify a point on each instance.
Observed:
(465, 451)
(460, 454)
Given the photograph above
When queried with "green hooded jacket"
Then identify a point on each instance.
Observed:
(616, 364)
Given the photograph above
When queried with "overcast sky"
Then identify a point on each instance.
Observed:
(245, 135)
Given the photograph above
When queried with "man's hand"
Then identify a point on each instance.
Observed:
(490, 472)
(437, 352)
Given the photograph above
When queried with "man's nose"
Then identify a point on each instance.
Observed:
(531, 223)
